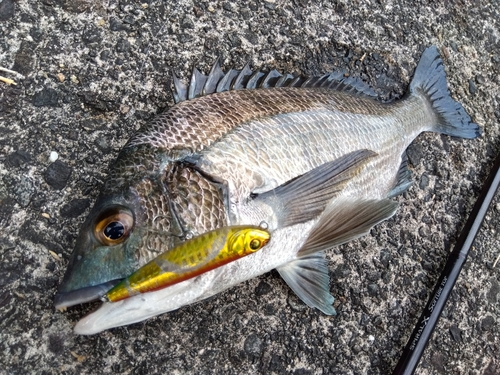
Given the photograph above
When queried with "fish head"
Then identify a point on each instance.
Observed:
(129, 224)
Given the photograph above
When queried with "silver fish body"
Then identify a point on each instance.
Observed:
(317, 162)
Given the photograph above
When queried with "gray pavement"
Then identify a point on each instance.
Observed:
(95, 71)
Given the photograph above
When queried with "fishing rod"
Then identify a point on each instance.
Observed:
(425, 325)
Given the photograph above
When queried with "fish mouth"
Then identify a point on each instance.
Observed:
(62, 300)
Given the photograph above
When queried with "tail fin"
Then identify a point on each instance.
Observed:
(430, 81)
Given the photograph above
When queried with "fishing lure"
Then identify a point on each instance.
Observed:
(192, 258)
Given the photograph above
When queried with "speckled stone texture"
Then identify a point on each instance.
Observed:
(94, 71)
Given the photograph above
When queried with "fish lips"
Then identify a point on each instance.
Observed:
(94, 269)
(83, 295)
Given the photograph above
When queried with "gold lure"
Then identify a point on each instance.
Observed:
(192, 258)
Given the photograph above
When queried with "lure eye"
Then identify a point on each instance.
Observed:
(113, 226)
(255, 244)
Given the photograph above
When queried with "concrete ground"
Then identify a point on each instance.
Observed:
(94, 71)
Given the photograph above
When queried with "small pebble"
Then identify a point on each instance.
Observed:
(373, 289)
(47, 97)
(74, 208)
(23, 189)
(295, 304)
(456, 333)
(55, 255)
(79, 358)
(7, 10)
(18, 159)
(253, 345)
(446, 53)
(57, 174)
(487, 323)
(262, 289)
(472, 87)
(53, 156)
(124, 109)
(424, 181)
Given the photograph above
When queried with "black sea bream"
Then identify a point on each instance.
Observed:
(317, 160)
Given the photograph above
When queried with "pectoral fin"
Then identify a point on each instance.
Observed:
(345, 220)
(308, 278)
(305, 197)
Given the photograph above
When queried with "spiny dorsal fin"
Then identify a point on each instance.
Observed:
(197, 83)
(239, 81)
(180, 89)
(270, 78)
(284, 79)
(226, 81)
(213, 78)
(218, 81)
(254, 79)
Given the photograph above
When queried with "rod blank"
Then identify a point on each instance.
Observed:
(432, 311)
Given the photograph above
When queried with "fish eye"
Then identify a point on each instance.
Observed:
(114, 230)
(113, 225)
(255, 244)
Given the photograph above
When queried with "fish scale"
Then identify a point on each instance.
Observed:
(315, 160)
(215, 116)
(329, 131)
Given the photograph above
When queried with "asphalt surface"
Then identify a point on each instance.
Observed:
(95, 71)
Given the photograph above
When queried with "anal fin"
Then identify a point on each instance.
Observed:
(308, 278)
(345, 220)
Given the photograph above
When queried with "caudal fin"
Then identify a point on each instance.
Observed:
(430, 81)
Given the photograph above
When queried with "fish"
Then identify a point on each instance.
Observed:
(318, 159)
(191, 258)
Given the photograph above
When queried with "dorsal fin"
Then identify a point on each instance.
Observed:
(226, 81)
(241, 79)
(285, 80)
(218, 81)
(180, 89)
(197, 83)
(255, 79)
(270, 79)
(213, 78)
